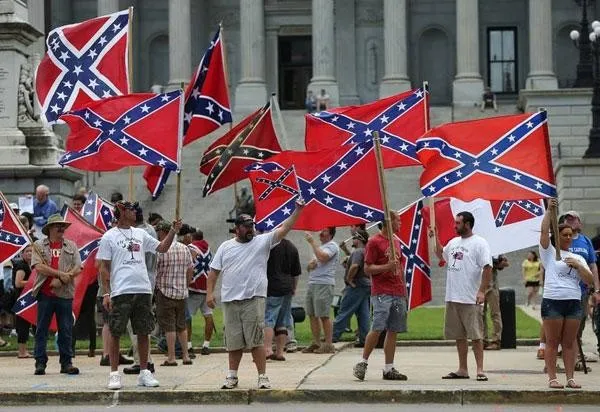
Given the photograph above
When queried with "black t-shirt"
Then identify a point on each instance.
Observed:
(282, 267)
(20, 265)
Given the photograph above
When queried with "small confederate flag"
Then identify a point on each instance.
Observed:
(399, 119)
(507, 225)
(500, 158)
(251, 140)
(415, 254)
(206, 107)
(86, 61)
(87, 239)
(201, 267)
(340, 187)
(137, 129)
(13, 238)
(98, 211)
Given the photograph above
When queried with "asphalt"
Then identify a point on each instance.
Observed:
(515, 376)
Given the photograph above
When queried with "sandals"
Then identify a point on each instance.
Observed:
(571, 384)
(275, 357)
(482, 377)
(555, 384)
(167, 363)
(454, 375)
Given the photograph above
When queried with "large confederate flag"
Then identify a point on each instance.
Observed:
(86, 61)
(13, 238)
(500, 158)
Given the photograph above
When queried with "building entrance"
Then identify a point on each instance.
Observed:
(295, 70)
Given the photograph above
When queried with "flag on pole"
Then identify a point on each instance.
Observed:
(98, 212)
(13, 237)
(339, 186)
(84, 62)
(399, 119)
(251, 140)
(499, 158)
(206, 107)
(133, 130)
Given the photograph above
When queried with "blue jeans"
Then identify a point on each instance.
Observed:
(63, 309)
(355, 301)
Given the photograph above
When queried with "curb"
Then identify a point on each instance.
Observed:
(442, 396)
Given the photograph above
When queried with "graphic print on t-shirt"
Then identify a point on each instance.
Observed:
(457, 254)
(131, 245)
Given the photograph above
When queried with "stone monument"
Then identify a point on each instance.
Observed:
(28, 151)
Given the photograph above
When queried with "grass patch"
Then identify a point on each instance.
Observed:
(425, 323)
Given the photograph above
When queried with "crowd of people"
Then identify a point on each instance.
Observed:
(155, 275)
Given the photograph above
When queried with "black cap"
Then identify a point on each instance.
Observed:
(244, 219)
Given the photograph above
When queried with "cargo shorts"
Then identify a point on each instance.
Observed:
(136, 307)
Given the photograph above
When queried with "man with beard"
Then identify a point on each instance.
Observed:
(469, 264)
(243, 263)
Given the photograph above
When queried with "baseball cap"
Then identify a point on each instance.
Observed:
(361, 235)
(244, 219)
(14, 206)
(163, 226)
(125, 204)
(572, 213)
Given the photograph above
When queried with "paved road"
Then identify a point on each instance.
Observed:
(310, 407)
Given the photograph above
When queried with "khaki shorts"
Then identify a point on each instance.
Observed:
(463, 321)
(197, 301)
(244, 321)
(170, 313)
(318, 300)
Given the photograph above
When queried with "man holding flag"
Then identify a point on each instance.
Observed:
(57, 262)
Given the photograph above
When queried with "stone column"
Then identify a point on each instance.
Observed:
(395, 79)
(541, 75)
(251, 91)
(180, 43)
(323, 44)
(272, 59)
(468, 84)
(107, 7)
(345, 36)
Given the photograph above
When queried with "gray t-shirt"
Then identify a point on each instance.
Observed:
(324, 273)
(362, 280)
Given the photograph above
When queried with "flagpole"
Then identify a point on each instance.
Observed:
(179, 144)
(280, 120)
(430, 200)
(386, 210)
(130, 87)
(555, 231)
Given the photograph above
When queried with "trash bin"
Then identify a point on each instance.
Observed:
(509, 319)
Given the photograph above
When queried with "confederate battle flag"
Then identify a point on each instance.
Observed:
(85, 61)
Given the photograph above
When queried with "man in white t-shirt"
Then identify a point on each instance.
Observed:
(242, 262)
(469, 271)
(127, 287)
(319, 296)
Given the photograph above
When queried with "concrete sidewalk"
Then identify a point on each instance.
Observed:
(515, 376)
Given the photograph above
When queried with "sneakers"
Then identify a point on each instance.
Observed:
(205, 350)
(540, 354)
(291, 347)
(311, 349)
(231, 382)
(40, 369)
(69, 370)
(114, 381)
(360, 369)
(394, 375)
(263, 382)
(145, 378)
(325, 348)
(135, 369)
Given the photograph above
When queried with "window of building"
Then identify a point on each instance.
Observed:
(502, 60)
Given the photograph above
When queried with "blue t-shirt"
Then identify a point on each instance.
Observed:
(582, 246)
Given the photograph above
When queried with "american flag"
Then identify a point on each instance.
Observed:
(86, 61)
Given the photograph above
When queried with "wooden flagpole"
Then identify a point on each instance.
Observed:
(384, 199)
(555, 231)
(131, 195)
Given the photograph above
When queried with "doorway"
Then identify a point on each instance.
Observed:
(295, 70)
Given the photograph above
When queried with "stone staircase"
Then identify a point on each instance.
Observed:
(209, 214)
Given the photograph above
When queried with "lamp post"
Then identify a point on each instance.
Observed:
(584, 67)
(593, 37)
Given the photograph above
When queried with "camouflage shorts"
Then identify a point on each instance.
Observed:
(136, 307)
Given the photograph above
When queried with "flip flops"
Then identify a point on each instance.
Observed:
(167, 363)
(481, 377)
(454, 375)
(275, 357)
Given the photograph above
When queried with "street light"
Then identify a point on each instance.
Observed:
(584, 67)
(593, 38)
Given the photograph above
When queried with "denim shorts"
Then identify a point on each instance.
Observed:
(389, 312)
(278, 311)
(561, 309)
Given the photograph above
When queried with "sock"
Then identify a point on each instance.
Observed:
(114, 373)
(189, 345)
(542, 345)
(262, 375)
(388, 367)
(232, 373)
(363, 360)
(206, 344)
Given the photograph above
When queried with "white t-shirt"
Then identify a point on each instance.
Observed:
(243, 267)
(465, 259)
(126, 248)
(561, 282)
(324, 273)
